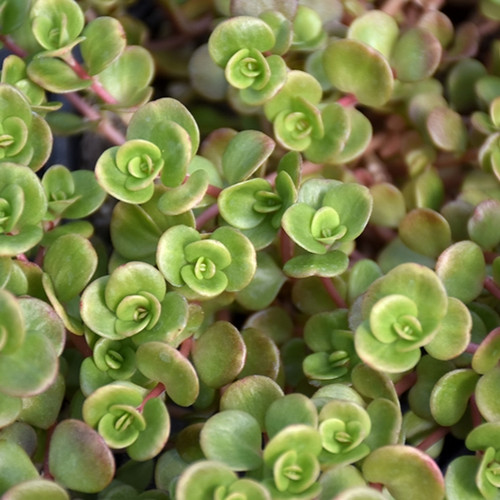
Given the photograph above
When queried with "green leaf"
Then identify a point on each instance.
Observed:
(416, 55)
(104, 42)
(450, 395)
(265, 285)
(219, 354)
(425, 231)
(376, 29)
(56, 23)
(13, 15)
(245, 153)
(15, 466)
(462, 270)
(480, 226)
(42, 489)
(232, 437)
(486, 398)
(237, 33)
(55, 75)
(252, 394)
(357, 68)
(417, 478)
(70, 262)
(128, 75)
(327, 265)
(460, 479)
(447, 130)
(161, 362)
(79, 459)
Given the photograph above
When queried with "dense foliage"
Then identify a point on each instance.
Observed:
(275, 273)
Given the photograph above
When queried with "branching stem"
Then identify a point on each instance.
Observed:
(206, 215)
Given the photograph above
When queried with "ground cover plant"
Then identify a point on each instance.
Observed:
(268, 265)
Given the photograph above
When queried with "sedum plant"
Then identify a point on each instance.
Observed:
(249, 250)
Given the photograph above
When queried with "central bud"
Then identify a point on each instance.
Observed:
(298, 124)
(141, 166)
(266, 202)
(204, 268)
(326, 226)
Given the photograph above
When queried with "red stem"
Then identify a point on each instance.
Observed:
(186, 347)
(286, 247)
(477, 419)
(206, 215)
(433, 438)
(105, 128)
(347, 100)
(158, 390)
(407, 382)
(333, 292)
(13, 47)
(492, 287)
(472, 348)
(97, 88)
(79, 343)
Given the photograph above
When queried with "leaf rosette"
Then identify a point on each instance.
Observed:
(343, 426)
(237, 45)
(128, 172)
(117, 412)
(206, 266)
(292, 455)
(22, 207)
(131, 301)
(403, 311)
(25, 137)
(255, 206)
(333, 214)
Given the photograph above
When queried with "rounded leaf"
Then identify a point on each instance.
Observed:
(161, 362)
(486, 395)
(41, 489)
(356, 68)
(416, 55)
(406, 472)
(232, 437)
(79, 459)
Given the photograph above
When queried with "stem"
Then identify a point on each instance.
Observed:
(79, 343)
(333, 292)
(492, 287)
(407, 382)
(13, 47)
(205, 216)
(433, 438)
(186, 347)
(46, 470)
(286, 246)
(471, 348)
(105, 127)
(348, 100)
(158, 390)
(97, 88)
(477, 419)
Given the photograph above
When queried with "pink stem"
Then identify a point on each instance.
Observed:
(492, 287)
(205, 216)
(13, 47)
(407, 382)
(98, 89)
(79, 343)
(347, 100)
(477, 419)
(154, 393)
(186, 347)
(433, 438)
(105, 128)
(472, 348)
(286, 247)
(333, 292)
